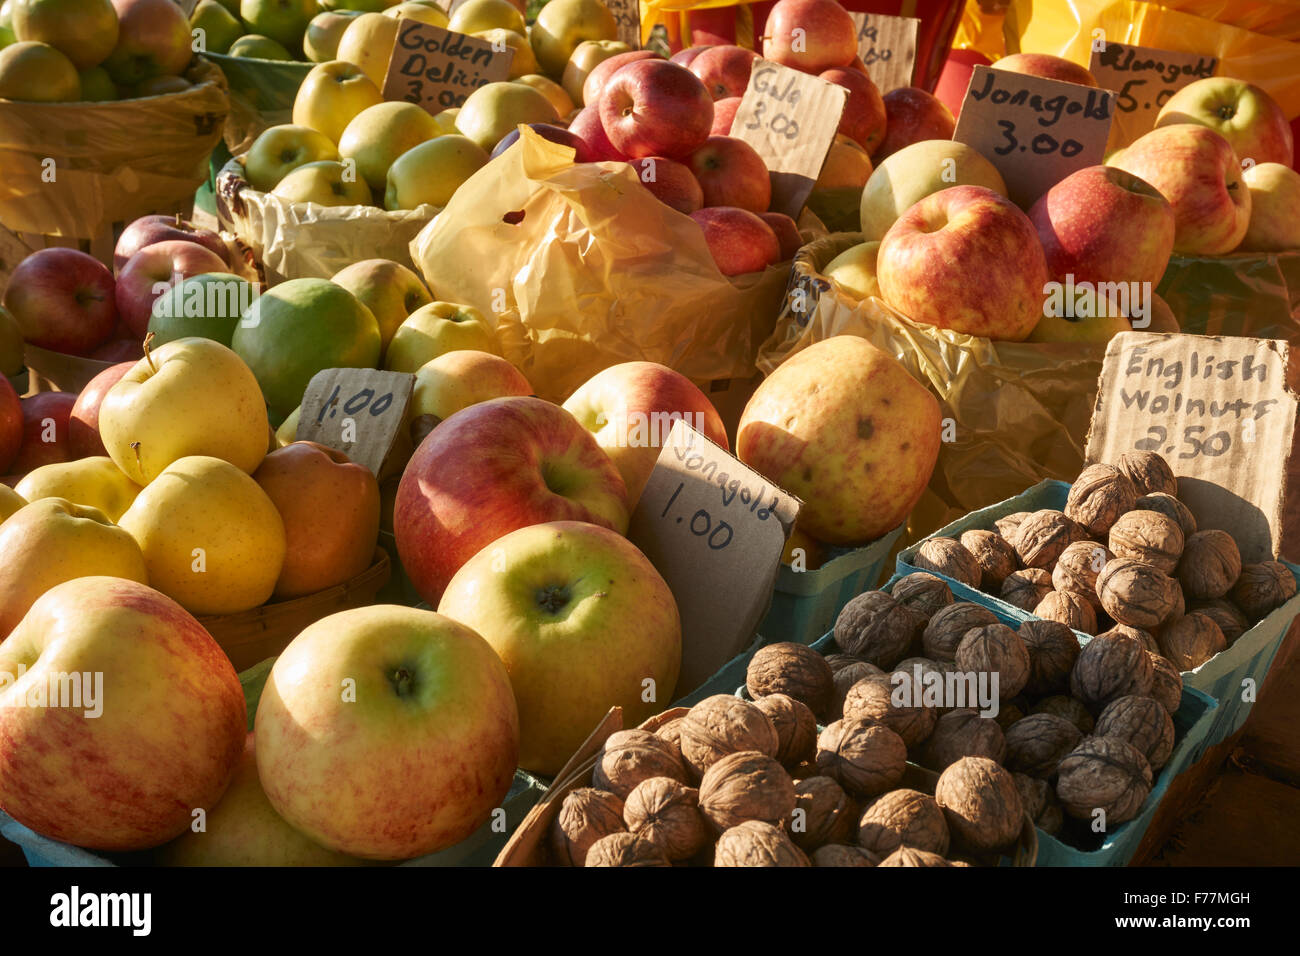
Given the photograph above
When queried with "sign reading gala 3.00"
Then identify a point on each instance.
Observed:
(438, 69)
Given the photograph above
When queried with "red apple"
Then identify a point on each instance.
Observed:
(153, 270)
(656, 108)
(714, 26)
(45, 431)
(1076, 221)
(863, 119)
(11, 425)
(1243, 114)
(738, 240)
(724, 70)
(724, 114)
(153, 40)
(533, 462)
(83, 418)
(118, 350)
(828, 37)
(594, 85)
(672, 183)
(586, 126)
(787, 233)
(556, 134)
(731, 173)
(148, 230)
(1047, 66)
(687, 56)
(912, 115)
(63, 300)
(955, 77)
(965, 259)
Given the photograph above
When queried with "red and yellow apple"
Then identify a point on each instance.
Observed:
(1274, 208)
(863, 119)
(738, 240)
(1047, 66)
(724, 70)
(153, 270)
(388, 289)
(912, 116)
(593, 87)
(902, 180)
(810, 35)
(456, 380)
(787, 233)
(672, 182)
(1246, 116)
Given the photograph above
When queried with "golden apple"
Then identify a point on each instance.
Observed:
(457, 380)
(562, 25)
(495, 109)
(423, 12)
(438, 328)
(320, 42)
(523, 62)
(854, 270)
(475, 16)
(588, 55)
(847, 166)
(37, 73)
(388, 289)
(279, 150)
(368, 42)
(553, 91)
(287, 433)
(326, 183)
(379, 134)
(445, 120)
(10, 502)
(432, 172)
(331, 95)
(95, 482)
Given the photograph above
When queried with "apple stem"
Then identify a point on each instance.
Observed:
(147, 357)
(135, 447)
(179, 221)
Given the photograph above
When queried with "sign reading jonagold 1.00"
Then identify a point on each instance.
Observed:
(438, 69)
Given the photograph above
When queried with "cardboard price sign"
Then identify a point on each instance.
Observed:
(790, 118)
(1034, 130)
(1222, 411)
(1144, 79)
(627, 14)
(355, 410)
(714, 529)
(887, 47)
(437, 69)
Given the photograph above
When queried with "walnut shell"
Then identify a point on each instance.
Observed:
(795, 670)
(981, 804)
(862, 757)
(1036, 744)
(630, 756)
(1232, 622)
(947, 628)
(1210, 565)
(1104, 773)
(1008, 714)
(836, 854)
(1149, 472)
(823, 813)
(757, 843)
(722, 725)
(1052, 648)
(666, 812)
(1166, 683)
(1171, 508)
(1261, 588)
(625, 849)
(1149, 537)
(1040, 802)
(1070, 708)
(911, 856)
(671, 732)
(996, 649)
(948, 557)
(1042, 537)
(848, 675)
(903, 818)
(1109, 668)
(586, 815)
(1191, 640)
(1026, 587)
(963, 733)
(1143, 722)
(1072, 610)
(876, 628)
(932, 691)
(1008, 526)
(1137, 594)
(993, 554)
(1145, 638)
(796, 728)
(922, 592)
(1099, 496)
(1077, 569)
(895, 704)
(746, 786)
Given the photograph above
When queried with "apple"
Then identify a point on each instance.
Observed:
(388, 289)
(687, 56)
(45, 431)
(148, 274)
(118, 350)
(588, 55)
(593, 87)
(456, 380)
(153, 40)
(853, 271)
(10, 502)
(85, 31)
(787, 233)
(556, 134)
(432, 172)
(914, 172)
(331, 95)
(368, 42)
(1274, 208)
(1197, 171)
(672, 182)
(97, 86)
(1162, 316)
(863, 119)
(416, 10)
(581, 620)
(159, 86)
(836, 195)
(563, 24)
(254, 46)
(738, 240)
(656, 108)
(587, 125)
(495, 109)
(731, 173)
(206, 305)
(281, 149)
(435, 329)
(148, 230)
(320, 41)
(1047, 66)
(376, 136)
(170, 724)
(810, 35)
(445, 120)
(94, 482)
(524, 62)
(217, 26)
(193, 396)
(630, 409)
(37, 73)
(1247, 117)
(803, 548)
(553, 92)
(284, 21)
(11, 345)
(724, 70)
(724, 114)
(83, 418)
(475, 16)
(1094, 329)
(842, 425)
(1076, 221)
(11, 424)
(326, 183)
(63, 300)
(966, 259)
(912, 116)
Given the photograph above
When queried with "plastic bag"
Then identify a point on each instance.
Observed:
(1251, 294)
(261, 96)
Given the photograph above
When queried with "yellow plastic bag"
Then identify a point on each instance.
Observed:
(584, 268)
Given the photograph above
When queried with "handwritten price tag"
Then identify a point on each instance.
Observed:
(627, 14)
(790, 119)
(887, 48)
(437, 69)
(355, 410)
(1035, 131)
(1144, 79)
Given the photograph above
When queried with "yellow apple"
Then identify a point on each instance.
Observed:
(804, 548)
(212, 540)
(279, 150)
(95, 482)
(1098, 329)
(321, 41)
(331, 95)
(553, 91)
(854, 270)
(10, 502)
(457, 380)
(445, 120)
(85, 31)
(422, 12)
(523, 62)
(588, 55)
(438, 328)
(325, 183)
(475, 16)
(1274, 208)
(368, 42)
(432, 172)
(562, 25)
(847, 166)
(388, 289)
(495, 109)
(379, 134)
(287, 433)
(37, 73)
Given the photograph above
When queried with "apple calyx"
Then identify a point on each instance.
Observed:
(553, 598)
(403, 682)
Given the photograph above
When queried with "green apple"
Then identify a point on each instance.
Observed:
(495, 109)
(7, 35)
(914, 172)
(254, 46)
(220, 28)
(379, 134)
(282, 149)
(37, 73)
(11, 344)
(331, 95)
(97, 86)
(854, 270)
(432, 172)
(435, 329)
(388, 289)
(325, 183)
(475, 16)
(368, 42)
(562, 25)
(457, 380)
(284, 21)
(193, 396)
(321, 41)
(207, 305)
(94, 482)
(298, 328)
(85, 31)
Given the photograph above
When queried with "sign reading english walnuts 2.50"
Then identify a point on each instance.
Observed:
(438, 69)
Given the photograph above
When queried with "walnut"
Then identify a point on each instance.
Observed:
(1210, 565)
(1072, 610)
(1077, 569)
(1144, 723)
(586, 815)
(1053, 648)
(1166, 683)
(1171, 508)
(823, 813)
(1109, 668)
(1104, 773)
(630, 756)
(796, 728)
(1042, 537)
(930, 690)
(757, 843)
(1145, 638)
(1232, 622)
(963, 733)
(862, 757)
(1008, 714)
(948, 557)
(911, 856)
(1069, 708)
(1149, 472)
(981, 804)
(835, 854)
(795, 670)
(848, 675)
(994, 555)
(1191, 640)
(1008, 526)
(996, 649)
(666, 812)
(1099, 496)
(1036, 744)
(625, 849)
(1040, 802)
(1149, 537)
(671, 732)
(947, 628)
(746, 786)
(1026, 587)
(874, 699)
(722, 725)
(903, 818)
(1136, 594)
(876, 628)
(922, 592)
(1263, 587)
